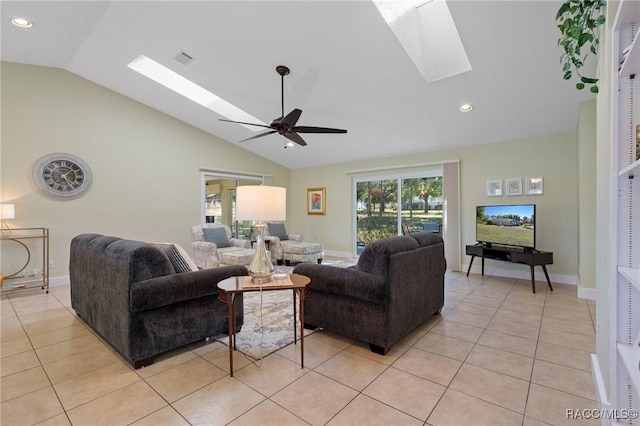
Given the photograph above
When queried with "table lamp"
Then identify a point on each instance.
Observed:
(261, 203)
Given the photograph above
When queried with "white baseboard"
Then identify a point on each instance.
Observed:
(338, 254)
(601, 391)
(56, 281)
(524, 274)
(587, 293)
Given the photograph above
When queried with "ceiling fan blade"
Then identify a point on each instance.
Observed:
(295, 138)
(311, 129)
(242, 122)
(259, 136)
(291, 119)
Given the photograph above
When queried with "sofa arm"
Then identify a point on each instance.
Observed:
(170, 289)
(236, 242)
(205, 254)
(348, 282)
(275, 247)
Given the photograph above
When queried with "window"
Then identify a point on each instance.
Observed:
(390, 206)
(397, 200)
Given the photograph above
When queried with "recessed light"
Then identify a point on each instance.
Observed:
(466, 108)
(22, 23)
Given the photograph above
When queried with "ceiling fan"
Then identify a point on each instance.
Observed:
(286, 125)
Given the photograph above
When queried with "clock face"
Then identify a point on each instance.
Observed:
(62, 175)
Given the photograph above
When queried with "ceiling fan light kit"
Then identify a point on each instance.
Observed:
(286, 125)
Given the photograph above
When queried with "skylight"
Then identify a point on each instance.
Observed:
(185, 87)
(426, 31)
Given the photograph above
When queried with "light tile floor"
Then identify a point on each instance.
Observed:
(498, 355)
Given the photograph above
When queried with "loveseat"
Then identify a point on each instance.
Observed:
(276, 234)
(285, 247)
(397, 284)
(144, 299)
(211, 241)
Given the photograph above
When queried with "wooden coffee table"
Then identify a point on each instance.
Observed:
(228, 288)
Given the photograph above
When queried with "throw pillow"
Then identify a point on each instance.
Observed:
(217, 235)
(278, 230)
(178, 257)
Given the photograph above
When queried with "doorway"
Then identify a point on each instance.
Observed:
(219, 200)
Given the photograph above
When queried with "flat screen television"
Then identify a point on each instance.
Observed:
(507, 225)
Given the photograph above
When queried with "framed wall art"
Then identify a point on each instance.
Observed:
(534, 186)
(513, 186)
(494, 188)
(316, 201)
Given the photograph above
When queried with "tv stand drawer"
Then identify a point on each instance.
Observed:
(532, 258)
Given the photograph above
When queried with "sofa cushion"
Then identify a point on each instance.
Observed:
(179, 258)
(164, 291)
(301, 247)
(145, 260)
(278, 230)
(345, 282)
(218, 236)
(375, 257)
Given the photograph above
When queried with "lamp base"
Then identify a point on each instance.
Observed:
(260, 280)
(260, 269)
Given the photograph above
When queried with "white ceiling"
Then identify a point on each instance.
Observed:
(348, 69)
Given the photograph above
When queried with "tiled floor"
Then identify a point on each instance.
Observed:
(499, 355)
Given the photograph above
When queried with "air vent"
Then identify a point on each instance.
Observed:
(183, 58)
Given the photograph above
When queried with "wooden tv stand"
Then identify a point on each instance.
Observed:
(512, 255)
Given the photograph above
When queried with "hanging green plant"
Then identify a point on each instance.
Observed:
(578, 21)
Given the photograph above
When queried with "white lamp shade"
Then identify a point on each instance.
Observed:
(7, 211)
(261, 202)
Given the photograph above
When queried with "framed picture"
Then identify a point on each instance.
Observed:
(514, 186)
(534, 186)
(316, 201)
(494, 188)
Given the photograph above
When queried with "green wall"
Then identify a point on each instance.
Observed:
(146, 168)
(145, 164)
(587, 198)
(552, 157)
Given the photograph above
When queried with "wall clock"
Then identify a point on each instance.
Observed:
(62, 176)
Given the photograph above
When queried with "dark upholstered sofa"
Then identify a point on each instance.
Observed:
(397, 284)
(130, 293)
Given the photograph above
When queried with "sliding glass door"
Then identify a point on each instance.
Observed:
(422, 205)
(376, 210)
(389, 206)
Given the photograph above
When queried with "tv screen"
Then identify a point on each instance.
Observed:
(509, 225)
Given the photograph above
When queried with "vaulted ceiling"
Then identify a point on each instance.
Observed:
(348, 69)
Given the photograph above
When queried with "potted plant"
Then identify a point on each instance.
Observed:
(578, 21)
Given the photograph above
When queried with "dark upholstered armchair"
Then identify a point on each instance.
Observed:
(397, 284)
(131, 293)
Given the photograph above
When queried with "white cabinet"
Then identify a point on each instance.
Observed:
(625, 156)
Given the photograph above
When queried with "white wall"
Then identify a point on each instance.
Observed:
(145, 164)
